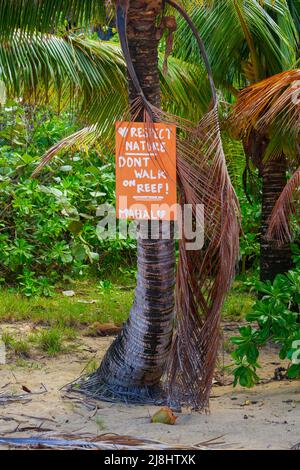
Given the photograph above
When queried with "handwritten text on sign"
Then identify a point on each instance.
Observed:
(145, 171)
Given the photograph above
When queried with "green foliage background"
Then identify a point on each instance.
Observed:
(48, 225)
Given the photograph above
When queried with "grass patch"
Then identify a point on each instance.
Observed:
(237, 305)
(89, 305)
(100, 423)
(93, 304)
(21, 362)
(49, 341)
(19, 347)
(52, 340)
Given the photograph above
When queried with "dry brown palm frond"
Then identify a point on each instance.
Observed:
(286, 205)
(204, 276)
(269, 106)
(272, 108)
(101, 442)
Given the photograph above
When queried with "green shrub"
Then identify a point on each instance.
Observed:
(275, 316)
(48, 225)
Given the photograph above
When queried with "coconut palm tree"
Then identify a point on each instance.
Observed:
(270, 110)
(248, 41)
(147, 347)
(272, 107)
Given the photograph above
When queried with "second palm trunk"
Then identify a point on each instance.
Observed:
(274, 259)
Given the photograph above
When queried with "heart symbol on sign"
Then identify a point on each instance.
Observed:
(123, 131)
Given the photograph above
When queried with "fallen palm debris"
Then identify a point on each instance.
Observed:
(102, 442)
(4, 399)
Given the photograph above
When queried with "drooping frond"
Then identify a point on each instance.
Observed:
(286, 205)
(185, 90)
(235, 159)
(87, 136)
(60, 70)
(32, 16)
(107, 102)
(272, 108)
(91, 75)
(204, 274)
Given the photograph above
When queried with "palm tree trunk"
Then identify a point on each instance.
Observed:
(133, 365)
(274, 259)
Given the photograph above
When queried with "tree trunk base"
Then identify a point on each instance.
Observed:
(95, 387)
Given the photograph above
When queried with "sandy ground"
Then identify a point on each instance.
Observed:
(265, 417)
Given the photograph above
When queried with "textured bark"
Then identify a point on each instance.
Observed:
(133, 365)
(274, 259)
(143, 36)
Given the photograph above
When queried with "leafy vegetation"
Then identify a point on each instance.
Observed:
(275, 316)
(89, 305)
(48, 227)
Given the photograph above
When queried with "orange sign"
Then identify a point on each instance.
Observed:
(146, 171)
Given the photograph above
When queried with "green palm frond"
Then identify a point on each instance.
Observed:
(91, 75)
(185, 89)
(235, 159)
(58, 70)
(243, 38)
(188, 102)
(46, 15)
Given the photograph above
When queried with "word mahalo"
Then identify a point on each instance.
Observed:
(146, 171)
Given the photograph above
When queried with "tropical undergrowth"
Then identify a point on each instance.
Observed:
(48, 226)
(275, 317)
